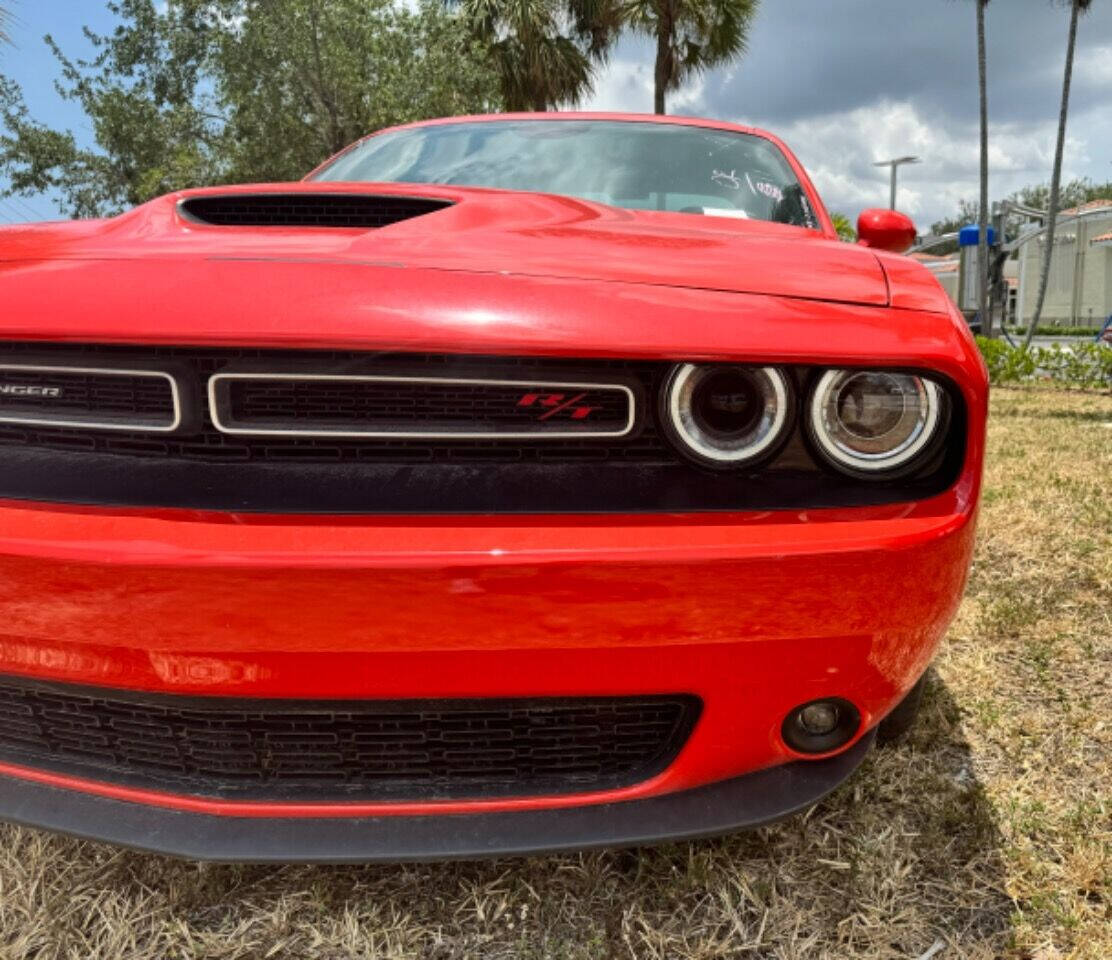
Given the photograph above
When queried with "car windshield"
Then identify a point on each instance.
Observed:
(642, 166)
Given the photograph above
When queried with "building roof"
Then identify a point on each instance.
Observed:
(942, 265)
(1104, 238)
(1085, 207)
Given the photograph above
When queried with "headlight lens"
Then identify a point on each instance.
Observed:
(874, 421)
(727, 415)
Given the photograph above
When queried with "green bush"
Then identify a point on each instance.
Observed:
(1077, 365)
(1044, 330)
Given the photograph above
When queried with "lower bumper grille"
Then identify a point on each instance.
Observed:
(369, 750)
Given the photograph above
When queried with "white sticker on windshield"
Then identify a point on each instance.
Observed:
(770, 190)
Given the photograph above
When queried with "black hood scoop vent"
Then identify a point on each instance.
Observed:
(353, 211)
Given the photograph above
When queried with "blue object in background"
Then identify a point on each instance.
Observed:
(969, 235)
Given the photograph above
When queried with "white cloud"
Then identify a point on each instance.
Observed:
(1094, 65)
(623, 86)
(838, 149)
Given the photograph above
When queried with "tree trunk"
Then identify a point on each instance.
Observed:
(982, 220)
(661, 72)
(1056, 176)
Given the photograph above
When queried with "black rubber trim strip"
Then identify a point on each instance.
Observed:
(48, 476)
(742, 803)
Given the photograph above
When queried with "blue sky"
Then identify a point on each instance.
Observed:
(845, 82)
(31, 64)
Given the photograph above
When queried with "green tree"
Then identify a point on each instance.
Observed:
(544, 51)
(202, 91)
(691, 36)
(967, 213)
(301, 79)
(843, 227)
(1071, 194)
(1076, 7)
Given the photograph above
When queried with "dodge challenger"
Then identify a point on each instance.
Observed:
(510, 483)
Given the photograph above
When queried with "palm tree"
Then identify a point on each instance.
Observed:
(691, 35)
(843, 227)
(982, 218)
(1076, 7)
(538, 63)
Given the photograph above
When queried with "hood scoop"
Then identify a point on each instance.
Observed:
(351, 211)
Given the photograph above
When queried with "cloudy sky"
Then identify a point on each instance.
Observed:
(848, 82)
(844, 82)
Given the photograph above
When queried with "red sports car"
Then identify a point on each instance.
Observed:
(511, 483)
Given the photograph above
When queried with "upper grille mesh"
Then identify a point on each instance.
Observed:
(347, 750)
(291, 404)
(121, 398)
(96, 393)
(307, 210)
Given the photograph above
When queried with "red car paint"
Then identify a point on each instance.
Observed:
(753, 612)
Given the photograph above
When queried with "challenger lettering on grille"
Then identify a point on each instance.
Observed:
(28, 390)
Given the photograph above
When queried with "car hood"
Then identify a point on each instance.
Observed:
(488, 231)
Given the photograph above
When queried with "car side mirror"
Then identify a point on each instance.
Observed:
(885, 230)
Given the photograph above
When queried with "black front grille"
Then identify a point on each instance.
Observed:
(307, 210)
(109, 397)
(345, 750)
(199, 466)
(291, 404)
(201, 441)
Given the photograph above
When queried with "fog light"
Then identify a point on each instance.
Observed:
(820, 718)
(821, 725)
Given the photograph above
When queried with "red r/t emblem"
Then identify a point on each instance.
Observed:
(554, 403)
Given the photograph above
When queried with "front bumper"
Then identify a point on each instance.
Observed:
(752, 613)
(741, 803)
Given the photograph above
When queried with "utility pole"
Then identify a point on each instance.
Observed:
(894, 164)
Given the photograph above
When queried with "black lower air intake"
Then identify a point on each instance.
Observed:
(353, 750)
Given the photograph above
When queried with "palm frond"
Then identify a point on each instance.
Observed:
(543, 50)
(694, 36)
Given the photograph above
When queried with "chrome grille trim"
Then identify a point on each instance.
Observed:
(136, 426)
(222, 425)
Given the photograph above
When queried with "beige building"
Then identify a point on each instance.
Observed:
(1079, 288)
(945, 270)
(948, 272)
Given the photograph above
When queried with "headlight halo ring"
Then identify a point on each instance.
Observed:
(770, 430)
(905, 456)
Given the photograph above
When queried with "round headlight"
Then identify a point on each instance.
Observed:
(874, 421)
(725, 415)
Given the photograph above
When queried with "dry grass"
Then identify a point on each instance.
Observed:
(987, 835)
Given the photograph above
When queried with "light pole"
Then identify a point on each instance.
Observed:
(894, 164)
